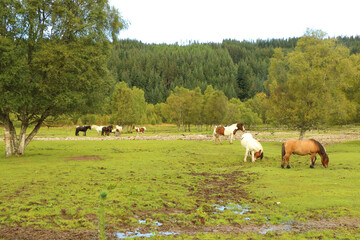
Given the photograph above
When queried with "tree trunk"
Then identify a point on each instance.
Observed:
(22, 139)
(13, 145)
(302, 134)
(9, 149)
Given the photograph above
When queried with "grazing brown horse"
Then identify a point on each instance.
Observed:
(304, 147)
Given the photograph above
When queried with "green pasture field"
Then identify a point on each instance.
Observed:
(192, 188)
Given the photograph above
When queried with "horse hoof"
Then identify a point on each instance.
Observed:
(282, 165)
(288, 166)
(311, 166)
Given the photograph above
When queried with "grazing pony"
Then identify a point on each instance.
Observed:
(106, 130)
(227, 131)
(81, 129)
(142, 130)
(252, 146)
(97, 128)
(304, 147)
(117, 130)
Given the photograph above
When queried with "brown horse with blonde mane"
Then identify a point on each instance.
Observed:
(304, 147)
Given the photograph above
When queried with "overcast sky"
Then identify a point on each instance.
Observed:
(171, 21)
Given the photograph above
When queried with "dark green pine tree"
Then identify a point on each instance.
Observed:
(243, 80)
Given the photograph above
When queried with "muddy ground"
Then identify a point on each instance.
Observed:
(28, 233)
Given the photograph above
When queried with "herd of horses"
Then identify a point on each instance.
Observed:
(106, 130)
(252, 147)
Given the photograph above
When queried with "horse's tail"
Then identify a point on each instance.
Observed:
(283, 151)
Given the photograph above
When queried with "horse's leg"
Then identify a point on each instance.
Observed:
(287, 161)
(246, 154)
(283, 162)
(287, 158)
(252, 156)
(312, 160)
(76, 132)
(231, 138)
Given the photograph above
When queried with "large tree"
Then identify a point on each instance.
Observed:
(305, 85)
(53, 61)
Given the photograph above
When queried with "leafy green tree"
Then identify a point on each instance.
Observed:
(259, 105)
(238, 112)
(196, 108)
(304, 85)
(53, 61)
(128, 105)
(178, 106)
(215, 106)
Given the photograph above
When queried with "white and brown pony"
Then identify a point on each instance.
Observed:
(141, 129)
(252, 146)
(304, 147)
(118, 130)
(227, 131)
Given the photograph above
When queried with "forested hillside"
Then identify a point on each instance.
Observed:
(237, 68)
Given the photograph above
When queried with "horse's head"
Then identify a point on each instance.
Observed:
(325, 160)
(240, 126)
(259, 154)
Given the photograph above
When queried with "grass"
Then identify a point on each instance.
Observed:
(56, 185)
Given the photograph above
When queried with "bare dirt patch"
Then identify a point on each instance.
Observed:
(221, 187)
(29, 233)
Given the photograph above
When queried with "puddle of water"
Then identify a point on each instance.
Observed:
(144, 235)
(138, 234)
(282, 227)
(156, 223)
(266, 230)
(235, 208)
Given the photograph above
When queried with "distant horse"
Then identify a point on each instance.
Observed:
(252, 147)
(227, 131)
(141, 129)
(97, 128)
(106, 130)
(117, 130)
(304, 147)
(81, 129)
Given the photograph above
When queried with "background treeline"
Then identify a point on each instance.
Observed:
(239, 69)
(210, 84)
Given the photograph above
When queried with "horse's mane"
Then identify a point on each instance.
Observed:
(322, 149)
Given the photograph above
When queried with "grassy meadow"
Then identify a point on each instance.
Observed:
(195, 189)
